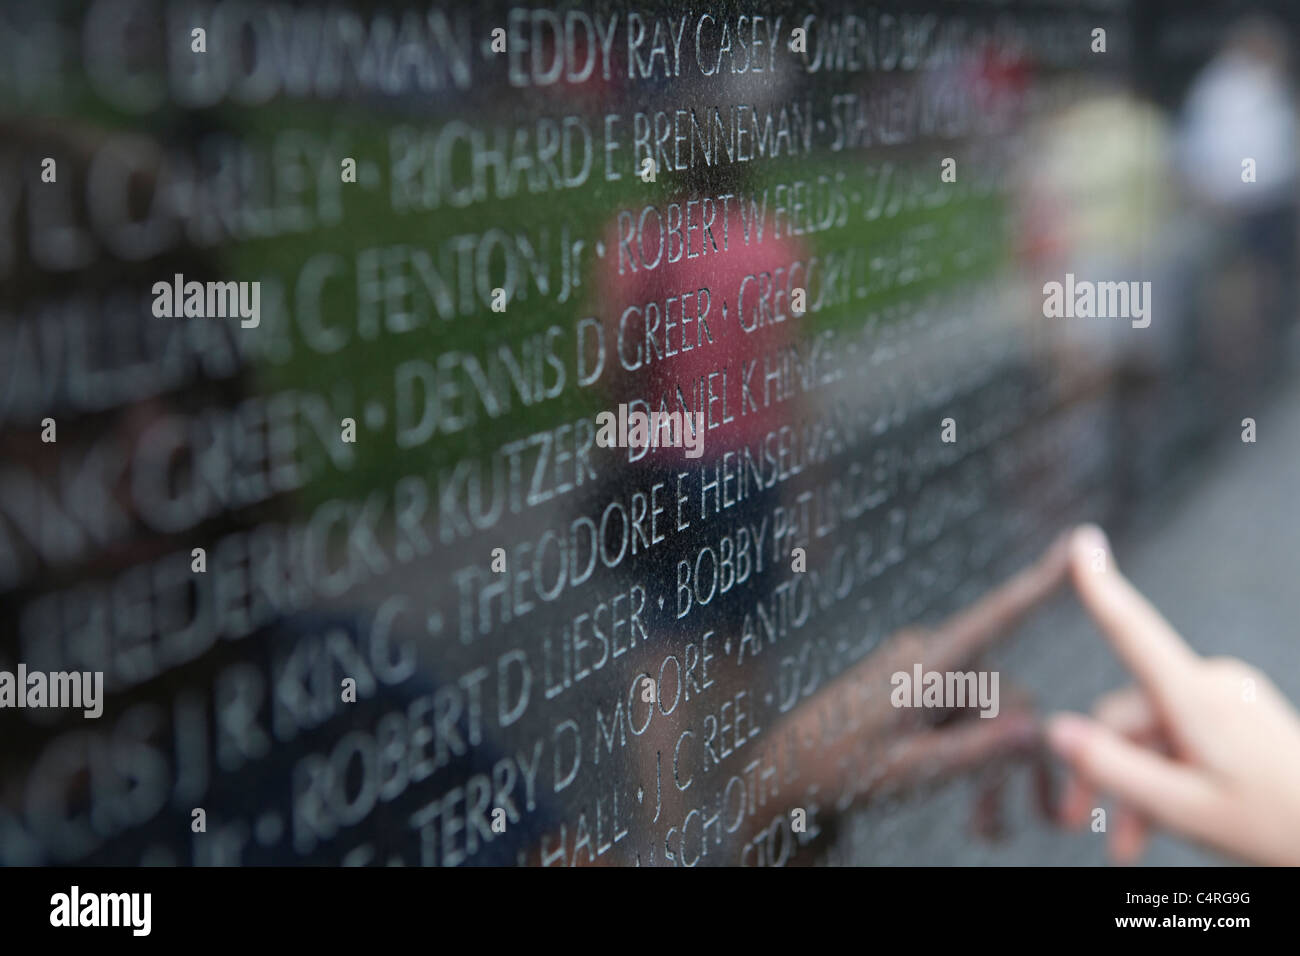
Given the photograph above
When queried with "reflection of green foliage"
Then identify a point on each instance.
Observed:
(367, 367)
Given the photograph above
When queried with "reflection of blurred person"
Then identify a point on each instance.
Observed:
(1208, 748)
(722, 305)
(1098, 204)
(710, 330)
(1238, 153)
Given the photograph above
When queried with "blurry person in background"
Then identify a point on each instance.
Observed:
(1237, 153)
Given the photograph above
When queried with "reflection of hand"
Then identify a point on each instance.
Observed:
(889, 750)
(1206, 747)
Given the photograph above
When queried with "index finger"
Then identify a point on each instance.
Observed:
(1149, 647)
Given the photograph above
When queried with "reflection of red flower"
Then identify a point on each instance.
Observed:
(1043, 233)
(1003, 74)
(751, 281)
(999, 79)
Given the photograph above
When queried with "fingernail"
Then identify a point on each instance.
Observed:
(1089, 538)
(1066, 733)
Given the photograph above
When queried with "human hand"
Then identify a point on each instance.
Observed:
(1207, 747)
